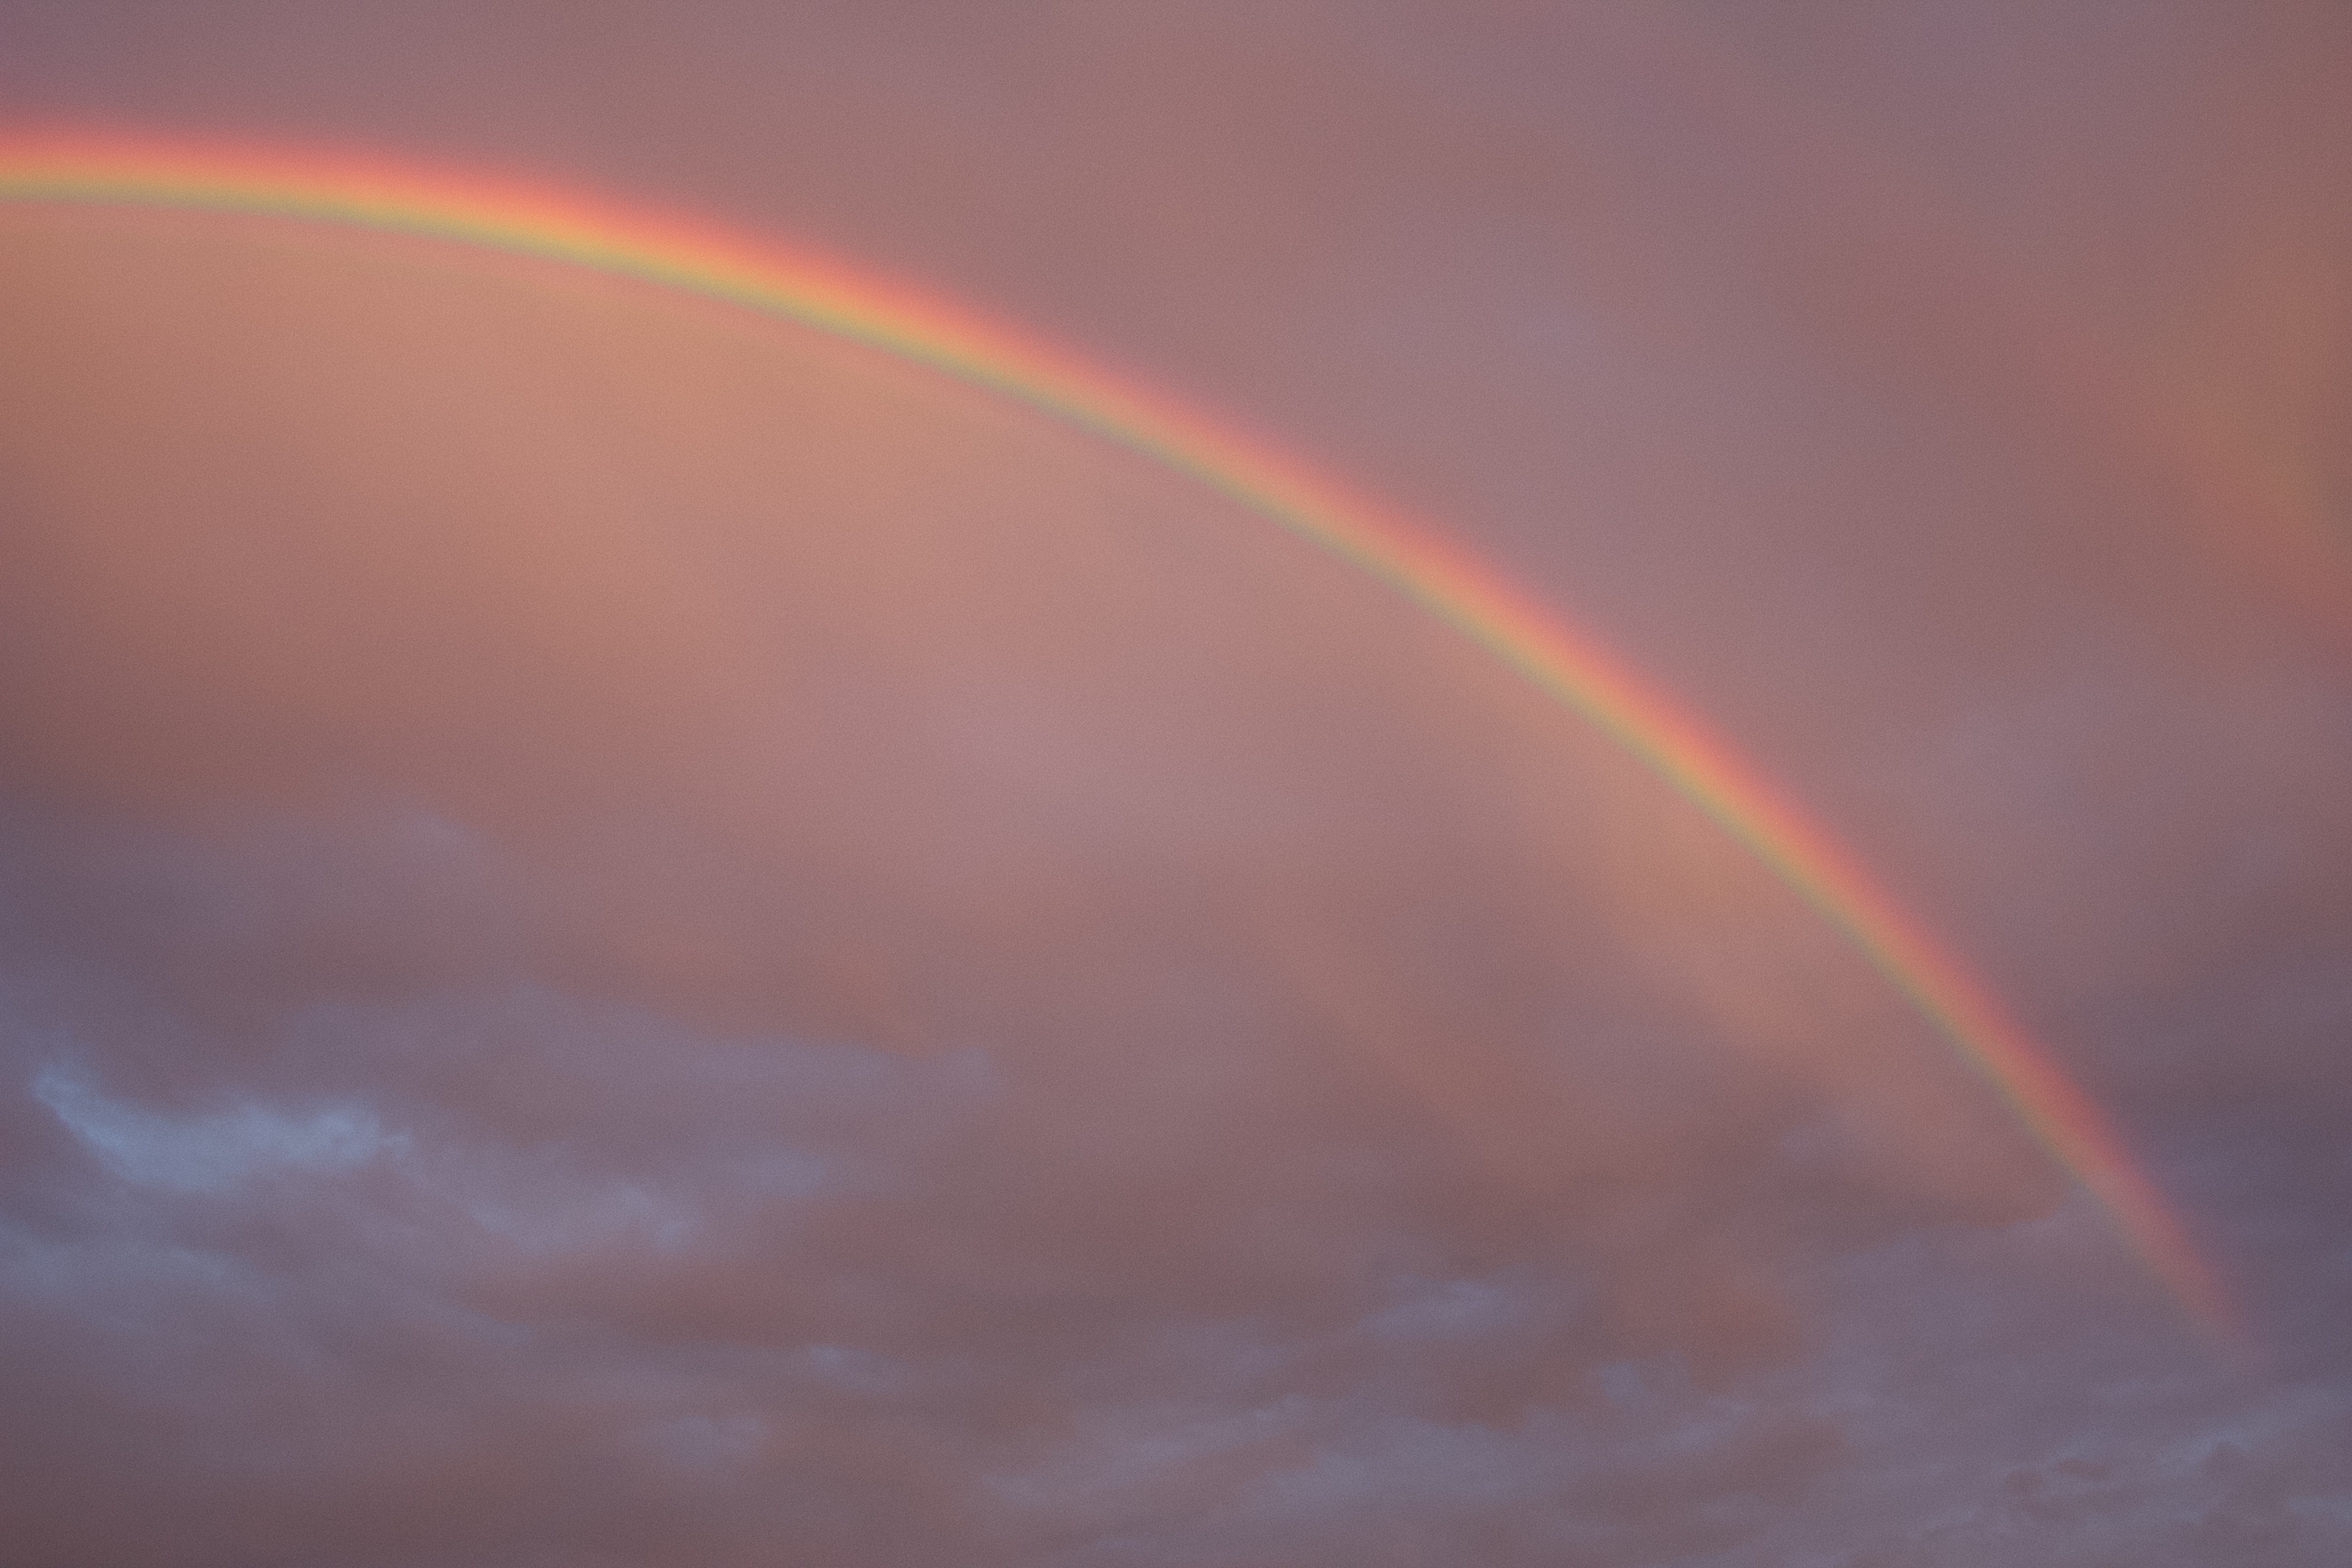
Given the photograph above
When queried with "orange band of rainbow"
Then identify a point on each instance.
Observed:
(1442, 577)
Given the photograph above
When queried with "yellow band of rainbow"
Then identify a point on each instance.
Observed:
(1442, 577)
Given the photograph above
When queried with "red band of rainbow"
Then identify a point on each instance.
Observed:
(1442, 577)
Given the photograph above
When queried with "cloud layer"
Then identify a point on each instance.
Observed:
(627, 936)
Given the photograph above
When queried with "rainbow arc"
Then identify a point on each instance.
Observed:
(1447, 581)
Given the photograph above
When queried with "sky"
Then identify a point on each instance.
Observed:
(631, 935)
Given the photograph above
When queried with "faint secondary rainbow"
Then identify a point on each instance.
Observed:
(1444, 579)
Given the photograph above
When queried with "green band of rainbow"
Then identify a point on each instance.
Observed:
(1442, 577)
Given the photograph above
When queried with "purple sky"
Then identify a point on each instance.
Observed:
(633, 937)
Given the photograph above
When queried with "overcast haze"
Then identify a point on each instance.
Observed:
(631, 935)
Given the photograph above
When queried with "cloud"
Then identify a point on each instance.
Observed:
(628, 938)
(211, 1154)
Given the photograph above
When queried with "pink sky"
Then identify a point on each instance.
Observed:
(628, 936)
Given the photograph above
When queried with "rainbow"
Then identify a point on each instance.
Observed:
(1442, 577)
